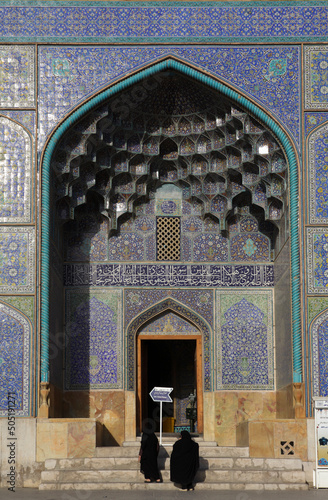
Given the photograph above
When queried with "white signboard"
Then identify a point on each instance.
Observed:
(321, 441)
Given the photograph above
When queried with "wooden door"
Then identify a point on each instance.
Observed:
(142, 375)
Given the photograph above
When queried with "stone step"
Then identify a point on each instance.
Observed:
(169, 441)
(206, 463)
(210, 476)
(205, 451)
(171, 487)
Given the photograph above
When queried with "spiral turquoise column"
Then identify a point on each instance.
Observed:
(255, 111)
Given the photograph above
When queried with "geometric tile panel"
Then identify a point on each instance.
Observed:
(318, 168)
(15, 172)
(15, 335)
(317, 260)
(93, 340)
(245, 356)
(17, 259)
(316, 73)
(71, 74)
(319, 335)
(164, 21)
(17, 74)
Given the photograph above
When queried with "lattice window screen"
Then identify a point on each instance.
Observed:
(168, 238)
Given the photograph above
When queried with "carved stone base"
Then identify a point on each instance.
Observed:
(298, 393)
(44, 400)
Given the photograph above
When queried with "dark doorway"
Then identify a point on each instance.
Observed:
(168, 363)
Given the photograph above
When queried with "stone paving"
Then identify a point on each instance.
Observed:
(34, 494)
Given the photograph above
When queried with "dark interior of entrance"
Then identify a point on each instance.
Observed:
(168, 363)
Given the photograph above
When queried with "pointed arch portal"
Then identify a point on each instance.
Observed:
(254, 110)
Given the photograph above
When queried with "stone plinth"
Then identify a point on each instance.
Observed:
(67, 438)
(274, 438)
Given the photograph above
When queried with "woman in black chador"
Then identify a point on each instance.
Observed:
(148, 457)
(184, 461)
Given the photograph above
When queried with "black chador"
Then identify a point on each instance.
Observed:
(184, 461)
(148, 457)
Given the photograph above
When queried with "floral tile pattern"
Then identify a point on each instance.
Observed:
(245, 341)
(14, 362)
(94, 340)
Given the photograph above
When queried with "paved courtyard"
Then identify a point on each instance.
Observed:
(33, 494)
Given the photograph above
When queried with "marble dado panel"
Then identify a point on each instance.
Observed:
(94, 339)
(14, 360)
(170, 275)
(199, 300)
(316, 73)
(17, 75)
(17, 262)
(317, 260)
(318, 168)
(16, 172)
(244, 351)
(164, 21)
(69, 75)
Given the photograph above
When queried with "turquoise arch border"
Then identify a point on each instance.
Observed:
(232, 94)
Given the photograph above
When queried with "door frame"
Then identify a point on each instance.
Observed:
(198, 374)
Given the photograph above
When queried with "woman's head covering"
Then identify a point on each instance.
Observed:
(185, 435)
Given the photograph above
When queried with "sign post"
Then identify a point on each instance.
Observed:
(161, 395)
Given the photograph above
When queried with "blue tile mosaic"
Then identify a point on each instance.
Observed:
(317, 260)
(16, 172)
(163, 21)
(138, 300)
(317, 161)
(245, 341)
(169, 324)
(17, 264)
(17, 64)
(316, 74)
(14, 360)
(319, 336)
(25, 118)
(90, 69)
(168, 275)
(313, 120)
(93, 340)
(168, 304)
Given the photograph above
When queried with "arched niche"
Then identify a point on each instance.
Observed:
(233, 158)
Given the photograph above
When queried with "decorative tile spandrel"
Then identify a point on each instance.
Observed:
(71, 74)
(15, 172)
(316, 75)
(17, 80)
(17, 259)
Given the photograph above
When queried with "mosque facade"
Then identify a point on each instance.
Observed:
(163, 223)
